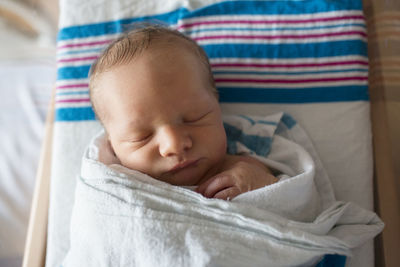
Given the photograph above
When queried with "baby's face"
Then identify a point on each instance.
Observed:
(161, 117)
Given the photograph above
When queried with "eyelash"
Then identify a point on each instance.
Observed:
(197, 119)
(141, 139)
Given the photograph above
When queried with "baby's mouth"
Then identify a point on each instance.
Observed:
(182, 166)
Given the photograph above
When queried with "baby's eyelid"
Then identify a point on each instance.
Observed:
(141, 139)
(197, 118)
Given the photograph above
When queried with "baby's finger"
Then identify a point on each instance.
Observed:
(216, 184)
(228, 193)
(202, 187)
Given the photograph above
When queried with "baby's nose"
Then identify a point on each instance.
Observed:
(174, 141)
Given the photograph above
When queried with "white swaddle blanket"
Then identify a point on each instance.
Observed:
(122, 217)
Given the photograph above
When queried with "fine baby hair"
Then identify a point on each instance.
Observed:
(135, 42)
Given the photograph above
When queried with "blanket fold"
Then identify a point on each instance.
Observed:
(122, 217)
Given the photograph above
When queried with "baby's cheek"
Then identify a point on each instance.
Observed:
(138, 161)
(220, 144)
(223, 146)
(223, 140)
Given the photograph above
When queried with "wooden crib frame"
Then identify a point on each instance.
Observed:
(385, 116)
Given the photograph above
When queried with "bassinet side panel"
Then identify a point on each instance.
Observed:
(383, 18)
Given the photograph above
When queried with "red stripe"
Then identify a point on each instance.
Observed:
(84, 44)
(290, 81)
(268, 37)
(77, 59)
(255, 65)
(73, 100)
(72, 86)
(270, 21)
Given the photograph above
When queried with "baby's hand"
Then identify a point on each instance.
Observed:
(242, 174)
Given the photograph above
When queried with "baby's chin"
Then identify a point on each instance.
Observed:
(190, 176)
(193, 176)
(181, 179)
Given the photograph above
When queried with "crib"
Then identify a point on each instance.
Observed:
(384, 103)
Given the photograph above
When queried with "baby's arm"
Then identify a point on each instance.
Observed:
(239, 174)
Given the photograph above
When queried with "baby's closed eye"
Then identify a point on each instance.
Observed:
(140, 138)
(196, 117)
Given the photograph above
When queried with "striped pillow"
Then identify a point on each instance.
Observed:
(260, 52)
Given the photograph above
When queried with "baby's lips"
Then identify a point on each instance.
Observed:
(182, 165)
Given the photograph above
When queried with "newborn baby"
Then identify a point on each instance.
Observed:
(154, 93)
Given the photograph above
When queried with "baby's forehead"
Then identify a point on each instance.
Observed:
(167, 46)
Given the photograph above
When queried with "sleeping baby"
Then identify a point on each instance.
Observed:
(154, 93)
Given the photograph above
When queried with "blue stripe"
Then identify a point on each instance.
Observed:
(258, 121)
(288, 121)
(72, 52)
(74, 114)
(248, 119)
(267, 122)
(299, 50)
(332, 260)
(303, 95)
(66, 73)
(85, 92)
(223, 8)
(261, 145)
